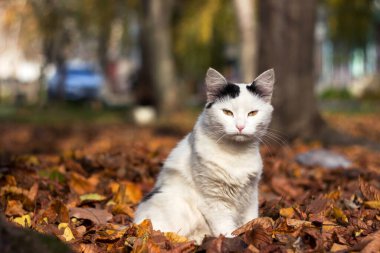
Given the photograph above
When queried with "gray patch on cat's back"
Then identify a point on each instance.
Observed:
(155, 190)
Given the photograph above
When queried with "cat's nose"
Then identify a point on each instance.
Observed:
(240, 128)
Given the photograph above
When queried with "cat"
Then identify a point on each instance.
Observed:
(209, 182)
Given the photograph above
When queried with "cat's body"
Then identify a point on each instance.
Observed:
(209, 182)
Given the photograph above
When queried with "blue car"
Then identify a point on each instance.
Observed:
(79, 83)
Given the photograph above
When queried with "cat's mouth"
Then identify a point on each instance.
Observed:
(241, 137)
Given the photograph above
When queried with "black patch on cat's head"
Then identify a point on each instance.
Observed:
(230, 90)
(254, 89)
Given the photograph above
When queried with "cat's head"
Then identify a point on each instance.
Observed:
(237, 111)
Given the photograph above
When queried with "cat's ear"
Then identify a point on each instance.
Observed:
(214, 83)
(263, 85)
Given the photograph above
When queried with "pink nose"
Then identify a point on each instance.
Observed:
(240, 128)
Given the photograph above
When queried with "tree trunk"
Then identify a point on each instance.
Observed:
(287, 45)
(157, 44)
(247, 23)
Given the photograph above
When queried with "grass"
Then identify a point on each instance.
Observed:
(61, 113)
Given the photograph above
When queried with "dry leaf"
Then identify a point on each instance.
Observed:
(338, 247)
(372, 204)
(175, 238)
(80, 184)
(24, 221)
(339, 215)
(265, 222)
(67, 233)
(369, 191)
(97, 216)
(14, 208)
(287, 212)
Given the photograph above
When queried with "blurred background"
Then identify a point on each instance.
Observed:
(145, 61)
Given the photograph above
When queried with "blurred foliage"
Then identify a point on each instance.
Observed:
(202, 31)
(350, 24)
(336, 93)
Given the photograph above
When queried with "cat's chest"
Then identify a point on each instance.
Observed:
(237, 165)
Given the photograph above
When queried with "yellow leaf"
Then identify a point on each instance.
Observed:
(24, 221)
(373, 204)
(92, 197)
(144, 229)
(339, 214)
(175, 238)
(358, 233)
(62, 225)
(328, 225)
(334, 195)
(287, 212)
(338, 247)
(67, 233)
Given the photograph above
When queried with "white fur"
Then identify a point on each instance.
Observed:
(209, 182)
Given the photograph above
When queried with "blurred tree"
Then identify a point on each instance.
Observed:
(349, 26)
(204, 31)
(51, 16)
(157, 57)
(247, 23)
(287, 45)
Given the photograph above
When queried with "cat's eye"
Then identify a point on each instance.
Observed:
(228, 112)
(252, 113)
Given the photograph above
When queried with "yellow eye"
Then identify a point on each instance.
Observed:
(252, 113)
(228, 112)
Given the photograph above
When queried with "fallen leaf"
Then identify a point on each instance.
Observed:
(97, 216)
(81, 185)
(144, 229)
(24, 221)
(298, 223)
(175, 238)
(91, 197)
(375, 204)
(338, 247)
(14, 208)
(123, 209)
(32, 194)
(128, 193)
(339, 215)
(369, 191)
(56, 212)
(67, 233)
(265, 222)
(287, 212)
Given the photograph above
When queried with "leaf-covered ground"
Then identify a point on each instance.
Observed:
(82, 183)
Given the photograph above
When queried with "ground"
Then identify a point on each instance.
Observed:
(80, 181)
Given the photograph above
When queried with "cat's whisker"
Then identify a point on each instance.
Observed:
(221, 137)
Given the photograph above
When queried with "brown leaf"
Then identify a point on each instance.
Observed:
(313, 239)
(222, 244)
(97, 216)
(338, 247)
(369, 244)
(319, 205)
(81, 185)
(127, 193)
(283, 187)
(56, 212)
(369, 191)
(287, 212)
(13, 192)
(264, 222)
(32, 194)
(14, 208)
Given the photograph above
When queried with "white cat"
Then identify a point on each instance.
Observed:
(209, 182)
